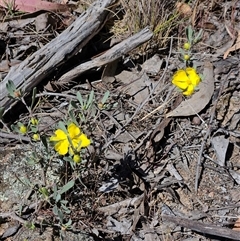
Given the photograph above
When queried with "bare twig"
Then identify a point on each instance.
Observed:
(15, 136)
(13, 216)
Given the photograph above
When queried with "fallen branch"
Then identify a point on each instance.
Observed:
(43, 62)
(209, 229)
(109, 56)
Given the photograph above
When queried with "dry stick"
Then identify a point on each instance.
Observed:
(206, 137)
(15, 136)
(209, 229)
(43, 62)
(13, 216)
(159, 107)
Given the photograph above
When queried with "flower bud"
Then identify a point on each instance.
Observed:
(23, 129)
(186, 57)
(34, 121)
(76, 158)
(187, 46)
(36, 137)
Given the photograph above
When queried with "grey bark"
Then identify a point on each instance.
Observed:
(43, 62)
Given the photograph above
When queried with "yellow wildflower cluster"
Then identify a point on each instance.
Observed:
(186, 80)
(71, 142)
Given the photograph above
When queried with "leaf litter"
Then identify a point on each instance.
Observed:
(147, 168)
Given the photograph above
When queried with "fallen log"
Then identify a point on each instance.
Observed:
(43, 62)
(109, 56)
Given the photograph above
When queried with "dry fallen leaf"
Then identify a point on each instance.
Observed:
(184, 9)
(220, 145)
(200, 99)
(36, 5)
(134, 85)
(235, 47)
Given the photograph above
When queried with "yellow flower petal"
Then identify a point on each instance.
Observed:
(84, 140)
(180, 79)
(80, 142)
(193, 76)
(62, 147)
(73, 130)
(189, 90)
(61, 140)
(59, 136)
(186, 80)
(71, 142)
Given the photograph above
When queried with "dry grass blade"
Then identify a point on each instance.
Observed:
(161, 16)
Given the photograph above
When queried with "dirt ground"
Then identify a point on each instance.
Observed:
(161, 165)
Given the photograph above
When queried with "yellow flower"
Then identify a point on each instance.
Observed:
(36, 137)
(71, 141)
(34, 121)
(186, 80)
(76, 158)
(186, 57)
(23, 129)
(187, 46)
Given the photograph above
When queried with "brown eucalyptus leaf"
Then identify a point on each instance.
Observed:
(200, 99)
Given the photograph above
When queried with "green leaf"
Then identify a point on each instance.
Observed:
(82, 117)
(69, 223)
(33, 96)
(61, 126)
(65, 209)
(11, 88)
(55, 192)
(198, 37)
(66, 187)
(2, 109)
(58, 197)
(80, 99)
(14, 128)
(44, 141)
(64, 202)
(70, 160)
(44, 191)
(73, 104)
(55, 210)
(34, 129)
(90, 99)
(58, 213)
(105, 97)
(72, 117)
(190, 34)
